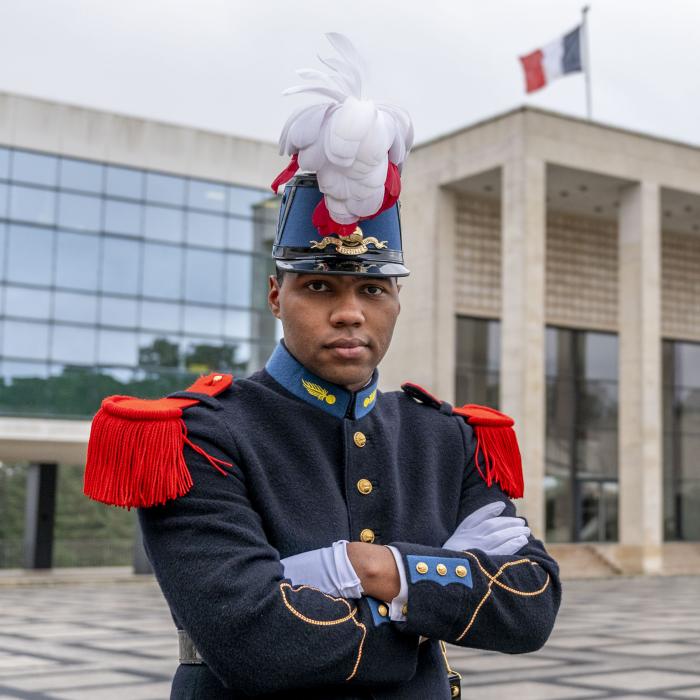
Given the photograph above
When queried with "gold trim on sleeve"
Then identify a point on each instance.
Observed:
(493, 580)
(352, 615)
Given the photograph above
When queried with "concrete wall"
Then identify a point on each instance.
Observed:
(80, 132)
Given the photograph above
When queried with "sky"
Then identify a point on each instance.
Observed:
(222, 64)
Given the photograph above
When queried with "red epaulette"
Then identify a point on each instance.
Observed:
(497, 454)
(135, 452)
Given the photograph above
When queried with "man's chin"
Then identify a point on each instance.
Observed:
(355, 376)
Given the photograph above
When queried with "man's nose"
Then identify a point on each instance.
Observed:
(348, 311)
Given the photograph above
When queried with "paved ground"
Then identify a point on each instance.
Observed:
(615, 638)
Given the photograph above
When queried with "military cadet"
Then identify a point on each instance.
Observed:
(313, 536)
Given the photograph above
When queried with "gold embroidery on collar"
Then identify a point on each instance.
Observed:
(318, 392)
(354, 244)
(368, 399)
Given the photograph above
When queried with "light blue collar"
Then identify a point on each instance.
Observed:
(286, 370)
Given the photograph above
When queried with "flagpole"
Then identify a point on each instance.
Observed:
(587, 61)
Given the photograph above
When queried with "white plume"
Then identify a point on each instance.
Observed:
(349, 140)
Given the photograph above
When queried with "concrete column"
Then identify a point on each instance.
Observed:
(522, 394)
(39, 516)
(423, 348)
(640, 428)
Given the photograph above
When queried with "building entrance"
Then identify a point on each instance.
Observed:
(596, 510)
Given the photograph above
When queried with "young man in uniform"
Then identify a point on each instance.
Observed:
(316, 538)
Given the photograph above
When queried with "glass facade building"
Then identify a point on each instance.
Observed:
(582, 405)
(122, 280)
(581, 482)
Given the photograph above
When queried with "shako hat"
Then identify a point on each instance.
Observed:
(340, 211)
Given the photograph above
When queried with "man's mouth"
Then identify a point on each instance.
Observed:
(348, 348)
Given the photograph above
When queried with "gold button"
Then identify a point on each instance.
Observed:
(367, 535)
(218, 378)
(360, 439)
(422, 567)
(364, 486)
(404, 608)
(461, 571)
(454, 691)
(441, 569)
(383, 610)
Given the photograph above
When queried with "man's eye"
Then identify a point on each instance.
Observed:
(317, 286)
(374, 290)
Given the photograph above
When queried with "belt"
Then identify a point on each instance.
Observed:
(190, 655)
(188, 651)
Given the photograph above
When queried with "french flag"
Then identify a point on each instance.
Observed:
(557, 58)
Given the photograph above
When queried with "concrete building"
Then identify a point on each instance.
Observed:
(555, 273)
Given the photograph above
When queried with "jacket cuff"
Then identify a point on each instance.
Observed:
(440, 585)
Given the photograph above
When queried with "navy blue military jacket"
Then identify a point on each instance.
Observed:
(312, 464)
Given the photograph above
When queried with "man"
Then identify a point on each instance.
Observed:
(320, 538)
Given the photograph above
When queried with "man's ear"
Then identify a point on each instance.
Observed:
(273, 296)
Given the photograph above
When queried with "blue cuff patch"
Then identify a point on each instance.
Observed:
(377, 608)
(442, 570)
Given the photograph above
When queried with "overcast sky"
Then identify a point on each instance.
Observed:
(221, 64)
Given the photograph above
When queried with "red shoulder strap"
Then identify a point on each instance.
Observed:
(135, 451)
(497, 454)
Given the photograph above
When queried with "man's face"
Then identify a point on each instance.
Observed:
(337, 326)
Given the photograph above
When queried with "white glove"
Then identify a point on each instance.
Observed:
(327, 569)
(485, 530)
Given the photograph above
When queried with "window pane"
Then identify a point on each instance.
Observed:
(76, 264)
(600, 356)
(73, 344)
(79, 211)
(242, 199)
(122, 217)
(25, 340)
(206, 355)
(3, 249)
(203, 320)
(205, 229)
(164, 223)
(29, 255)
(33, 167)
(4, 204)
(24, 390)
(117, 348)
(159, 350)
(165, 188)
(115, 311)
(240, 234)
(32, 204)
(239, 280)
(32, 303)
(75, 307)
(120, 266)
(204, 276)
(165, 317)
(238, 324)
(124, 182)
(162, 271)
(81, 175)
(206, 195)
(4, 163)
(688, 365)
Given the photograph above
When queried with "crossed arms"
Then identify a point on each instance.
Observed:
(226, 585)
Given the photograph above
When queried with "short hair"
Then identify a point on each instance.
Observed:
(279, 274)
